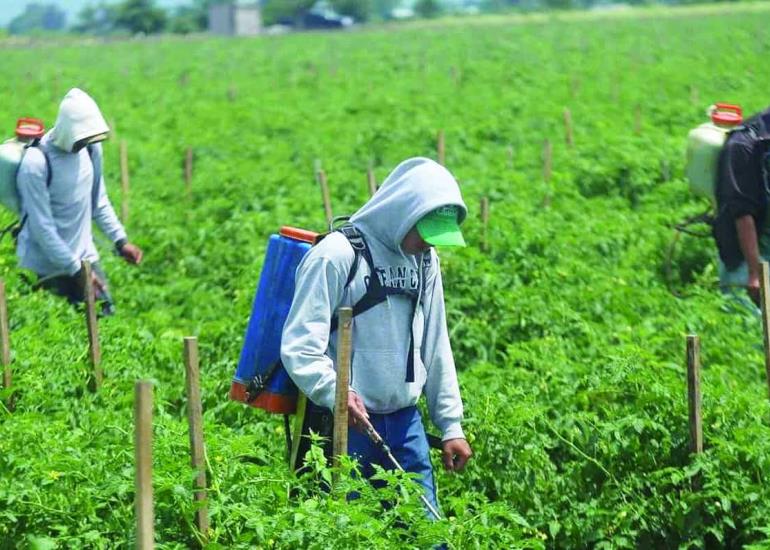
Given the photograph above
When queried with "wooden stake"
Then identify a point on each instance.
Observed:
(371, 180)
(344, 354)
(484, 223)
(145, 537)
(188, 170)
(441, 148)
(764, 290)
(694, 395)
(195, 421)
(321, 177)
(5, 346)
(569, 138)
(547, 160)
(95, 351)
(124, 181)
(509, 153)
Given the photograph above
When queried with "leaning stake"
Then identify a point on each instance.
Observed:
(568, 137)
(344, 353)
(143, 457)
(693, 394)
(195, 421)
(371, 180)
(321, 177)
(765, 299)
(95, 352)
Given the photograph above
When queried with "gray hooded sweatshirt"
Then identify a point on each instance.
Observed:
(57, 235)
(381, 335)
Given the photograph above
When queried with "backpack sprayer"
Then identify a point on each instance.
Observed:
(704, 146)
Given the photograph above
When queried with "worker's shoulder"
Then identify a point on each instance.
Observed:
(334, 248)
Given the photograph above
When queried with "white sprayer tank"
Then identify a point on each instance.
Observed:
(11, 153)
(704, 144)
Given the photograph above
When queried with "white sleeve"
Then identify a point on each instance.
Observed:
(318, 292)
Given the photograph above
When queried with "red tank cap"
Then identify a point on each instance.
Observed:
(302, 235)
(29, 128)
(727, 114)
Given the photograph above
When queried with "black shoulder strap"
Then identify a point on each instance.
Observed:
(49, 173)
(16, 229)
(360, 249)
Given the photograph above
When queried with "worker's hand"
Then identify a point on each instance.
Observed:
(455, 454)
(753, 289)
(132, 253)
(100, 287)
(357, 416)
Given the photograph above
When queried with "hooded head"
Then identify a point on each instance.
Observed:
(79, 121)
(415, 188)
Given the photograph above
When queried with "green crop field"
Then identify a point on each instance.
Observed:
(569, 342)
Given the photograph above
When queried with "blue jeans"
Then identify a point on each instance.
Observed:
(405, 435)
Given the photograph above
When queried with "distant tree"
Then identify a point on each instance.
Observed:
(99, 19)
(140, 16)
(559, 4)
(186, 20)
(384, 8)
(360, 10)
(38, 17)
(427, 8)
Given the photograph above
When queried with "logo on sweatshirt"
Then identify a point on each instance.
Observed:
(401, 277)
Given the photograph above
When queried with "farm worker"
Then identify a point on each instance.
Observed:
(401, 346)
(57, 208)
(742, 224)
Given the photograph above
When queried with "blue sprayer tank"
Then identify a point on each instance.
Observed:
(262, 344)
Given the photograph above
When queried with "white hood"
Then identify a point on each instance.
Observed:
(79, 118)
(416, 187)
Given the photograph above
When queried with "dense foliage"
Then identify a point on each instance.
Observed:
(570, 346)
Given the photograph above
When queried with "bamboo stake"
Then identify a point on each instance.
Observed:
(764, 289)
(143, 457)
(197, 445)
(509, 152)
(569, 138)
(94, 349)
(188, 170)
(441, 148)
(321, 178)
(371, 180)
(547, 171)
(484, 223)
(344, 351)
(694, 394)
(124, 181)
(5, 351)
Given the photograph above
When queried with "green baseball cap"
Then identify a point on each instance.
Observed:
(440, 227)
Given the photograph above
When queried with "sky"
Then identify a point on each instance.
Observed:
(11, 8)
